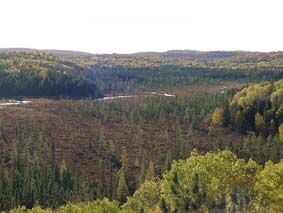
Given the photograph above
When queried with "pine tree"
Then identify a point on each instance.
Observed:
(166, 137)
(258, 149)
(259, 123)
(158, 157)
(240, 123)
(272, 129)
(168, 160)
(122, 188)
(226, 116)
(111, 157)
(139, 134)
(178, 143)
(124, 159)
(274, 150)
(193, 123)
(150, 172)
(143, 169)
(280, 130)
(101, 143)
(101, 181)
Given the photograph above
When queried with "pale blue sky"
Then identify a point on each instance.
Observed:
(125, 26)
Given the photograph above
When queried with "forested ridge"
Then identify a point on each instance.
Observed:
(213, 145)
(40, 74)
(176, 68)
(82, 73)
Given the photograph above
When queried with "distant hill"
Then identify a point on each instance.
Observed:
(192, 54)
(199, 55)
(64, 53)
(9, 50)
(229, 56)
(67, 53)
(218, 56)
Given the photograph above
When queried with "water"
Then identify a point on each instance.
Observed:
(12, 103)
(132, 96)
(8, 103)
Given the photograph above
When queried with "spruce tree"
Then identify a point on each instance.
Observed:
(122, 188)
(150, 172)
(168, 160)
(178, 143)
(226, 116)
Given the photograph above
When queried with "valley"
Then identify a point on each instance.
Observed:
(141, 106)
(130, 119)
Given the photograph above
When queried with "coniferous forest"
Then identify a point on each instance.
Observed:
(178, 131)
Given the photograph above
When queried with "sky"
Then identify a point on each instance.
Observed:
(127, 26)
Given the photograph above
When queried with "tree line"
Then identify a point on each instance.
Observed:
(39, 74)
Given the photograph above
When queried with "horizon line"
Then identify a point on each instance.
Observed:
(23, 49)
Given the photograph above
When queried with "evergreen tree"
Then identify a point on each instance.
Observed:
(179, 143)
(280, 130)
(240, 123)
(226, 116)
(168, 160)
(122, 188)
(259, 123)
(124, 158)
(272, 129)
(101, 181)
(150, 172)
(111, 158)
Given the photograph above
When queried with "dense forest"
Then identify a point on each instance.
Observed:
(40, 74)
(213, 145)
(177, 68)
(214, 182)
(151, 132)
(51, 72)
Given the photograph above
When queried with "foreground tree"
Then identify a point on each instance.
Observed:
(199, 182)
(269, 188)
(145, 198)
(214, 182)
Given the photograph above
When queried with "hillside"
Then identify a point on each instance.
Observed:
(40, 74)
(213, 57)
(179, 68)
(67, 53)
